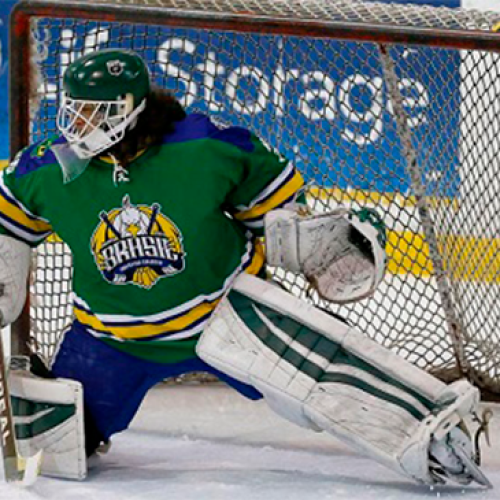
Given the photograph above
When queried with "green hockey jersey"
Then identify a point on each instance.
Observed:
(154, 253)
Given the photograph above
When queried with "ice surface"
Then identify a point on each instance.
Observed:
(208, 443)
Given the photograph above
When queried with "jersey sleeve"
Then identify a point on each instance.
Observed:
(270, 182)
(17, 218)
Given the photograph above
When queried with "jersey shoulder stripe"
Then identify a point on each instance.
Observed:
(15, 217)
(36, 156)
(199, 126)
(277, 194)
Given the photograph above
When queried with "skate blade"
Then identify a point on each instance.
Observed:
(476, 473)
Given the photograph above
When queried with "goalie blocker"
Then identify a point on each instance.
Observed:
(322, 374)
(48, 417)
(47, 414)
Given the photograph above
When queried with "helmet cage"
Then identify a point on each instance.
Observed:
(91, 127)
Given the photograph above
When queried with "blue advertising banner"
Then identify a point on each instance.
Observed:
(329, 94)
(321, 102)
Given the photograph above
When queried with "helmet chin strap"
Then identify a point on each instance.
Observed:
(98, 140)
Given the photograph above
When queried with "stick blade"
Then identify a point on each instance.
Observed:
(30, 469)
(22, 471)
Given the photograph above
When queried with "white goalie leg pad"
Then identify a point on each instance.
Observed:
(323, 374)
(48, 416)
(15, 259)
(341, 253)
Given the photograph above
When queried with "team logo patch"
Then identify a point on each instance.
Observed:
(116, 67)
(137, 244)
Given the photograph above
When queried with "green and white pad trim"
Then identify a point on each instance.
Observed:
(320, 373)
(48, 416)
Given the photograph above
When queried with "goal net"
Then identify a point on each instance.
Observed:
(394, 107)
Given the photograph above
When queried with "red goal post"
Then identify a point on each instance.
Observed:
(405, 133)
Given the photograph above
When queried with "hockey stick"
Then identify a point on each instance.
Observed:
(455, 328)
(15, 467)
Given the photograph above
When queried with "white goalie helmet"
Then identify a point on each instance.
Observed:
(104, 92)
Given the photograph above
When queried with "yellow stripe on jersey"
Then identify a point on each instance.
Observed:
(278, 198)
(138, 332)
(21, 217)
(258, 259)
(16, 214)
(182, 322)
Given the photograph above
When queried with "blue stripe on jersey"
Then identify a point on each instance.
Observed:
(37, 235)
(15, 203)
(261, 200)
(254, 220)
(139, 322)
(193, 327)
(199, 126)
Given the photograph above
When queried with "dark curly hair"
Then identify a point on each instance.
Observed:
(158, 118)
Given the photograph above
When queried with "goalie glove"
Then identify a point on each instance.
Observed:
(341, 253)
